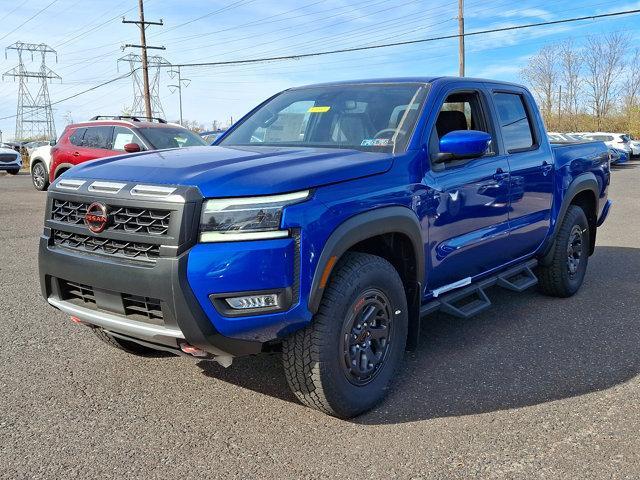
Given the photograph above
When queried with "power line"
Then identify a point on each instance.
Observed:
(27, 20)
(406, 42)
(70, 97)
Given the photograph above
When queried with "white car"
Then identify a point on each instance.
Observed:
(620, 141)
(39, 166)
(635, 147)
(10, 160)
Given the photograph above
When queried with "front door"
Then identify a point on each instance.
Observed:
(468, 200)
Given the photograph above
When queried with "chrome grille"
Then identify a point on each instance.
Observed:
(109, 246)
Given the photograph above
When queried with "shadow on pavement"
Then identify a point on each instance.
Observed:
(526, 350)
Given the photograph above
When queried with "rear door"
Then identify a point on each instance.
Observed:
(468, 199)
(96, 143)
(531, 164)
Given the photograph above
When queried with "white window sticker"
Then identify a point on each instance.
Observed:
(375, 142)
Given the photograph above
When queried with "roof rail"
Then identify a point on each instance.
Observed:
(133, 118)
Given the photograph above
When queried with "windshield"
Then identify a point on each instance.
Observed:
(369, 117)
(169, 137)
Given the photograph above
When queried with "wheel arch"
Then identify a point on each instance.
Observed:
(584, 192)
(378, 232)
(60, 169)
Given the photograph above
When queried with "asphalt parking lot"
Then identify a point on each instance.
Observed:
(534, 388)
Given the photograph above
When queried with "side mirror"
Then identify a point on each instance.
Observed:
(52, 143)
(132, 148)
(463, 144)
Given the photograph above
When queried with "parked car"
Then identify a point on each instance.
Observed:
(210, 136)
(326, 223)
(10, 160)
(105, 136)
(31, 146)
(616, 140)
(618, 156)
(39, 165)
(635, 146)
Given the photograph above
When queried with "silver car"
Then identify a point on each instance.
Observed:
(10, 160)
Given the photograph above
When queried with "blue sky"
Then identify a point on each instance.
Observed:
(88, 34)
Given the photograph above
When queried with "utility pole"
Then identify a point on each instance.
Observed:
(461, 37)
(142, 24)
(176, 73)
(34, 116)
(559, 108)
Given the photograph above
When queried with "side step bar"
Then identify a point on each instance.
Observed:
(471, 300)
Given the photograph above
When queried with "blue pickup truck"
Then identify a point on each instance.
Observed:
(325, 225)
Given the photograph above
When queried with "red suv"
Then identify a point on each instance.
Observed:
(108, 136)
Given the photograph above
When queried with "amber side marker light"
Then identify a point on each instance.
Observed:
(327, 271)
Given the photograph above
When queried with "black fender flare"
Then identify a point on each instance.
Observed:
(584, 182)
(361, 227)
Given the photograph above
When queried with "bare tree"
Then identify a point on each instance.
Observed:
(570, 69)
(541, 73)
(631, 89)
(604, 59)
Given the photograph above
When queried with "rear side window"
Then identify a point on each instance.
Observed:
(76, 137)
(97, 137)
(515, 123)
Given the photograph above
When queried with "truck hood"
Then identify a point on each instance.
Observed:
(237, 171)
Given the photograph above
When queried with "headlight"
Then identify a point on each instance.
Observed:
(251, 218)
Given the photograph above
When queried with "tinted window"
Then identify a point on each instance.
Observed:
(601, 138)
(97, 137)
(171, 137)
(76, 137)
(514, 121)
(122, 136)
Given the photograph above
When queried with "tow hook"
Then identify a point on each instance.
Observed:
(224, 360)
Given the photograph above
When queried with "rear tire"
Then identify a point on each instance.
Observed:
(13, 172)
(344, 361)
(127, 346)
(570, 256)
(39, 177)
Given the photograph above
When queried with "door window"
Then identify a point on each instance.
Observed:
(97, 137)
(515, 122)
(76, 137)
(460, 111)
(122, 136)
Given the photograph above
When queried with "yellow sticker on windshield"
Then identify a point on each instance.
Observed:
(319, 109)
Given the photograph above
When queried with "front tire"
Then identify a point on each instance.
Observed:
(564, 275)
(13, 172)
(39, 177)
(344, 361)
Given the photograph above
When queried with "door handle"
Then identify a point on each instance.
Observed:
(500, 175)
(546, 168)
(76, 154)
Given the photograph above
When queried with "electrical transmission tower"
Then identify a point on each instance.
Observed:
(154, 65)
(180, 82)
(34, 118)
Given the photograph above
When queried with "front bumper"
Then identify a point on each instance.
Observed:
(166, 280)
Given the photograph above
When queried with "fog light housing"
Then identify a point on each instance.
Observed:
(252, 303)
